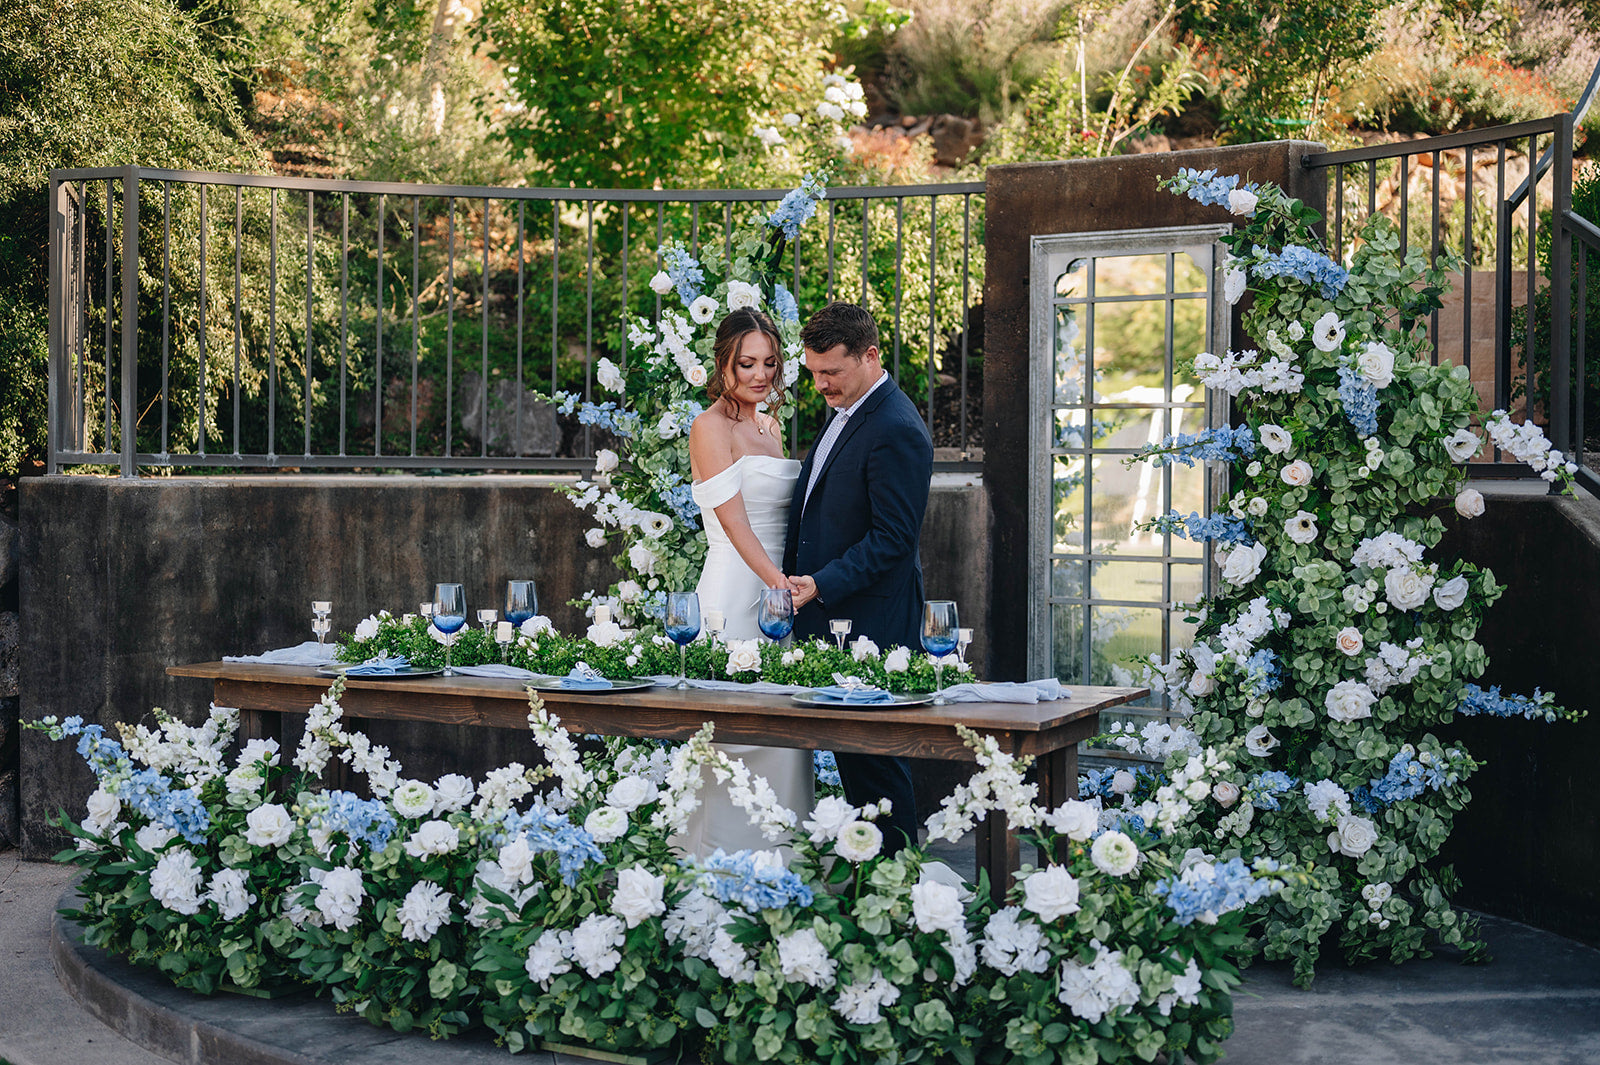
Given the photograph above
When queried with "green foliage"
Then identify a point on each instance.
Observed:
(971, 57)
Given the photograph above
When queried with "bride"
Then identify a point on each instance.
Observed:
(743, 484)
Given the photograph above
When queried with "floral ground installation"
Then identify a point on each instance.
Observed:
(550, 905)
(1333, 650)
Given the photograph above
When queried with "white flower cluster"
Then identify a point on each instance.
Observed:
(1102, 987)
(1238, 371)
(1014, 944)
(1188, 785)
(1155, 740)
(339, 900)
(325, 734)
(501, 790)
(804, 960)
(850, 829)
(1527, 443)
(1395, 665)
(862, 1002)
(698, 922)
(246, 779)
(425, 909)
(175, 881)
(997, 786)
(193, 753)
(560, 753)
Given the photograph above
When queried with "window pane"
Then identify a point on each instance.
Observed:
(1067, 504)
(1118, 634)
(1066, 578)
(1130, 275)
(1066, 643)
(1188, 340)
(1135, 581)
(1073, 280)
(1070, 383)
(1189, 270)
(1186, 584)
(1130, 344)
(1188, 497)
(1070, 422)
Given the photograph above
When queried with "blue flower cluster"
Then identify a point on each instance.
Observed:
(797, 207)
(1538, 707)
(548, 832)
(784, 303)
(145, 790)
(1360, 401)
(1219, 445)
(1409, 775)
(624, 423)
(1223, 528)
(826, 768)
(365, 821)
(1263, 789)
(1233, 886)
(1302, 264)
(1205, 186)
(736, 878)
(654, 607)
(1263, 673)
(1098, 782)
(684, 270)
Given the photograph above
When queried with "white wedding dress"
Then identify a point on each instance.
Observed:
(727, 584)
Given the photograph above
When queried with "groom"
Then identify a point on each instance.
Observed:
(855, 523)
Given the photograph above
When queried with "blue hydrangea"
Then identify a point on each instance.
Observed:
(796, 209)
(1232, 886)
(1263, 789)
(1223, 528)
(737, 879)
(1540, 706)
(1096, 782)
(144, 790)
(1360, 401)
(364, 821)
(825, 768)
(1215, 445)
(1303, 264)
(548, 832)
(1263, 673)
(784, 303)
(685, 272)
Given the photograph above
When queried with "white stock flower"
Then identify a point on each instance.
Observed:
(936, 907)
(1349, 641)
(1376, 364)
(230, 892)
(1461, 445)
(1353, 836)
(1242, 201)
(1243, 563)
(607, 373)
(703, 309)
(433, 838)
(1296, 474)
(858, 841)
(1302, 528)
(1452, 593)
(742, 294)
(743, 656)
(1328, 332)
(1114, 854)
(412, 798)
(897, 660)
(606, 823)
(175, 881)
(1349, 700)
(1259, 741)
(661, 284)
(1275, 438)
(268, 825)
(1052, 892)
(424, 911)
(1406, 588)
(1469, 503)
(597, 943)
(639, 895)
(605, 460)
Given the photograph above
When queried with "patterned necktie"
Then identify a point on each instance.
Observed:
(824, 446)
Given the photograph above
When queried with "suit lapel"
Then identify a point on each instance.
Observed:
(850, 427)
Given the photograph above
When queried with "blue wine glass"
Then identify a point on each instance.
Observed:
(940, 632)
(683, 625)
(449, 616)
(776, 616)
(522, 601)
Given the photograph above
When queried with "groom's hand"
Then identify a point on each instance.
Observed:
(804, 590)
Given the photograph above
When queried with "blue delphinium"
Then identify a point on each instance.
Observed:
(1360, 401)
(1262, 673)
(1302, 264)
(144, 790)
(624, 423)
(1230, 886)
(1223, 528)
(364, 821)
(548, 832)
(784, 303)
(1263, 789)
(826, 768)
(796, 209)
(1205, 186)
(736, 878)
(1410, 774)
(1219, 445)
(685, 272)
(1540, 706)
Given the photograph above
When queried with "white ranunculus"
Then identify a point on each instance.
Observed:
(703, 309)
(268, 825)
(1275, 438)
(605, 460)
(1302, 528)
(1243, 563)
(366, 628)
(595, 537)
(1349, 641)
(661, 284)
(743, 656)
(1452, 593)
(632, 792)
(1242, 201)
(452, 792)
(1226, 792)
(1259, 741)
(1406, 588)
(1074, 819)
(1461, 445)
(1353, 836)
(858, 841)
(936, 907)
(1328, 332)
(609, 376)
(606, 823)
(412, 798)
(1114, 854)
(1376, 364)
(1257, 507)
(742, 294)
(1469, 503)
(639, 895)
(1296, 474)
(695, 375)
(1051, 892)
(1349, 700)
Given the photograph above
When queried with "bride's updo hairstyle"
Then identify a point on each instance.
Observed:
(730, 334)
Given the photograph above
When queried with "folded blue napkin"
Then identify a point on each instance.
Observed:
(381, 668)
(584, 678)
(843, 694)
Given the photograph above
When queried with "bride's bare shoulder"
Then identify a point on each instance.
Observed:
(710, 444)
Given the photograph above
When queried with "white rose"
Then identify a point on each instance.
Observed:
(1259, 741)
(632, 792)
(743, 656)
(606, 823)
(858, 841)
(695, 375)
(1074, 819)
(1296, 474)
(604, 634)
(1200, 685)
(154, 836)
(609, 376)
(1451, 594)
(1328, 332)
(1469, 503)
(452, 792)
(1349, 700)
(366, 629)
(897, 661)
(595, 537)
(1243, 564)
(639, 895)
(1376, 364)
(1226, 792)
(1349, 640)
(1353, 836)
(643, 559)
(1114, 854)
(1052, 892)
(661, 284)
(103, 809)
(1122, 782)
(1233, 283)
(1461, 445)
(268, 825)
(829, 816)
(863, 648)
(936, 907)
(1257, 507)
(1242, 201)
(703, 309)
(742, 294)
(1407, 589)
(1253, 470)
(1275, 438)
(605, 460)
(433, 837)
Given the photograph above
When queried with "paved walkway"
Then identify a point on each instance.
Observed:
(1538, 1001)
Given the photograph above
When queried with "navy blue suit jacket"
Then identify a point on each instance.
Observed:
(860, 535)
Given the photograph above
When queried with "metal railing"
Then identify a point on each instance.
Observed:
(207, 320)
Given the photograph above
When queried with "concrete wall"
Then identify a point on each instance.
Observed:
(121, 579)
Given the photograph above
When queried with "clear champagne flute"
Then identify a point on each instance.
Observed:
(840, 627)
(776, 616)
(683, 625)
(449, 616)
(487, 618)
(522, 601)
(939, 635)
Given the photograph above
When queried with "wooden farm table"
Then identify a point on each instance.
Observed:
(1047, 731)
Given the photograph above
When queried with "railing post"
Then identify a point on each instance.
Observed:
(1561, 292)
(130, 319)
(57, 341)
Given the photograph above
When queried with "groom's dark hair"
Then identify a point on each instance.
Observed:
(840, 323)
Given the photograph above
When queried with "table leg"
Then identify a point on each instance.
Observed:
(260, 725)
(998, 853)
(1057, 774)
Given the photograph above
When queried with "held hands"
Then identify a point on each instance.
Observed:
(804, 590)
